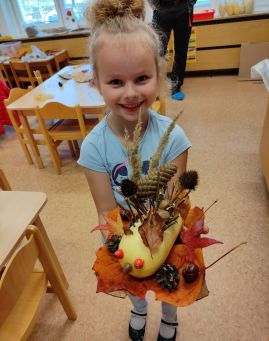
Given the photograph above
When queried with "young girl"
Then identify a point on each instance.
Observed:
(127, 69)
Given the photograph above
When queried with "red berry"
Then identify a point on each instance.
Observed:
(119, 254)
(139, 263)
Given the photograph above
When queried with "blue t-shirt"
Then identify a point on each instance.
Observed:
(102, 151)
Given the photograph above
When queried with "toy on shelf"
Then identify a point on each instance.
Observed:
(156, 242)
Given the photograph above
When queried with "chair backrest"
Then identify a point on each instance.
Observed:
(22, 73)
(4, 185)
(15, 94)
(38, 76)
(56, 110)
(16, 276)
(61, 60)
(6, 75)
(22, 289)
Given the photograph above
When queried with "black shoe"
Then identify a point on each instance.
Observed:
(137, 334)
(173, 338)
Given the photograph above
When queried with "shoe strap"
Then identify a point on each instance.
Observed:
(173, 324)
(138, 314)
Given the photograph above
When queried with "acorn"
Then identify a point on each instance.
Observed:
(127, 267)
(190, 273)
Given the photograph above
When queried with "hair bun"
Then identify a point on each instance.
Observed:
(103, 10)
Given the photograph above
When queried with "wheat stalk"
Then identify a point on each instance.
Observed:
(155, 158)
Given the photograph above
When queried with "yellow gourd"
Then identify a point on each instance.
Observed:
(133, 248)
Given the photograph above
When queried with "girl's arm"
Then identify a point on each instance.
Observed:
(181, 163)
(102, 193)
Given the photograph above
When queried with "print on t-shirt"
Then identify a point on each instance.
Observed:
(120, 171)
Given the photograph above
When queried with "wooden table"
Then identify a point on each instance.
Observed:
(71, 93)
(17, 211)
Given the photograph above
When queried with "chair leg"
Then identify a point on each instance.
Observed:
(20, 138)
(71, 147)
(54, 154)
(77, 149)
(39, 224)
(53, 276)
(31, 140)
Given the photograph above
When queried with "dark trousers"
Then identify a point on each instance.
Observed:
(178, 19)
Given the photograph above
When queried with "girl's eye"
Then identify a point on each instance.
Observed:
(115, 82)
(142, 78)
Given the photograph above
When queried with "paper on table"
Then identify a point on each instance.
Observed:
(43, 97)
(261, 71)
(82, 76)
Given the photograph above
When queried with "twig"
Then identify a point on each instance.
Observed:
(225, 254)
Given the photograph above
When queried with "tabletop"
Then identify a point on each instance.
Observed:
(71, 92)
(17, 211)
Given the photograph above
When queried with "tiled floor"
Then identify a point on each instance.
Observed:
(223, 118)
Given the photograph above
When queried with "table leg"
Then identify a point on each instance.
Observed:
(43, 232)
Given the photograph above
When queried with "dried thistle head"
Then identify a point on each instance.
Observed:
(189, 179)
(128, 187)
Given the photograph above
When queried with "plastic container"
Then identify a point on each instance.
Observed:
(10, 49)
(204, 15)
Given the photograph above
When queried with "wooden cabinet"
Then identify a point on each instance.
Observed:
(218, 41)
(264, 146)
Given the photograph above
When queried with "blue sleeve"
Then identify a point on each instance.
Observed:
(177, 144)
(91, 154)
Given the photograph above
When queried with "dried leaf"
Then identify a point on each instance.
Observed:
(111, 278)
(113, 223)
(191, 236)
(151, 230)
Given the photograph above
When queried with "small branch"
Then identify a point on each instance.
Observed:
(211, 206)
(225, 254)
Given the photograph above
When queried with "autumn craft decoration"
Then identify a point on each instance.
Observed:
(156, 243)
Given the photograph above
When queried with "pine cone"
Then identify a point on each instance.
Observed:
(168, 277)
(113, 243)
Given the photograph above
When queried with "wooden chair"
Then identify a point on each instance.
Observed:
(24, 132)
(22, 74)
(4, 185)
(22, 288)
(6, 76)
(72, 127)
(61, 60)
(159, 105)
(38, 76)
(44, 66)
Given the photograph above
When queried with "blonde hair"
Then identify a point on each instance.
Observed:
(122, 17)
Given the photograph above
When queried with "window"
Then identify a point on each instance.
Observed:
(203, 3)
(38, 11)
(78, 7)
(45, 12)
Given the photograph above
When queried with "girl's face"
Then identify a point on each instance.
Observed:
(126, 77)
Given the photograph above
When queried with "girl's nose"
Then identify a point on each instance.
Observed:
(130, 90)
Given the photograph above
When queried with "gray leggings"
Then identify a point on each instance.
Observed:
(169, 311)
